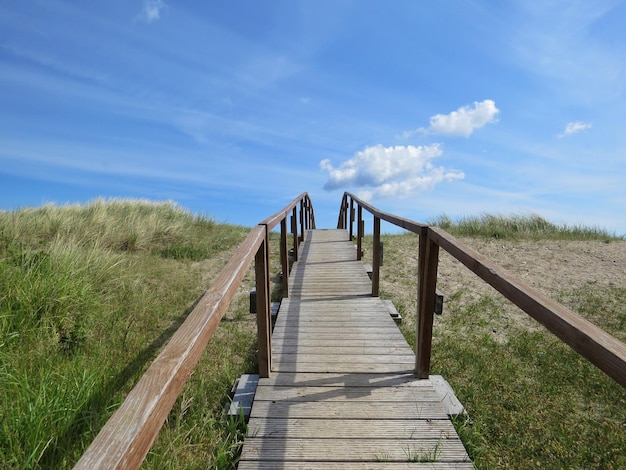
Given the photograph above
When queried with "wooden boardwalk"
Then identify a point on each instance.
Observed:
(342, 392)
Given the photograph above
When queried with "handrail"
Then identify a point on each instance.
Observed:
(596, 345)
(127, 436)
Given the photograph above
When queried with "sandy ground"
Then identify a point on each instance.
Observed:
(556, 268)
(550, 266)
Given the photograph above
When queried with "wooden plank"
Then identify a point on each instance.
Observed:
(373, 450)
(347, 358)
(350, 380)
(338, 349)
(343, 367)
(367, 394)
(355, 428)
(362, 341)
(378, 465)
(348, 410)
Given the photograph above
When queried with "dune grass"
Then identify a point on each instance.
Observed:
(88, 296)
(531, 226)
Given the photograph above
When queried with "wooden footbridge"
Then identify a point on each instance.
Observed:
(339, 386)
(342, 392)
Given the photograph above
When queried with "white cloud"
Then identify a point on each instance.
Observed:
(390, 171)
(463, 121)
(152, 10)
(574, 128)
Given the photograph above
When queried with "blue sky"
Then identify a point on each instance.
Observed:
(232, 109)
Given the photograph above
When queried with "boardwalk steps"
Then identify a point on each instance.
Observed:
(342, 392)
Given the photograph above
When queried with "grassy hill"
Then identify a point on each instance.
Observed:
(89, 294)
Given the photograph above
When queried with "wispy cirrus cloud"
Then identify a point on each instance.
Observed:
(151, 10)
(462, 122)
(575, 127)
(396, 171)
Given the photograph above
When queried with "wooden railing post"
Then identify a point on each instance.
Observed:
(294, 231)
(428, 262)
(359, 231)
(264, 321)
(302, 229)
(376, 258)
(350, 233)
(284, 257)
(312, 215)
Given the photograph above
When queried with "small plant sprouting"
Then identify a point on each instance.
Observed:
(423, 455)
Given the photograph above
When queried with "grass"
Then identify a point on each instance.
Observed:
(88, 296)
(532, 227)
(532, 401)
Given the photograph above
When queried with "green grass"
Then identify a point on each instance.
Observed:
(88, 296)
(519, 226)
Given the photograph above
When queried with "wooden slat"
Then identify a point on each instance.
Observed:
(350, 380)
(346, 358)
(380, 394)
(354, 450)
(349, 410)
(377, 465)
(356, 428)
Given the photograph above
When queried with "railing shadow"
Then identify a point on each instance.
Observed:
(88, 419)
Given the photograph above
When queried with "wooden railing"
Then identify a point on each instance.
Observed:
(590, 341)
(127, 437)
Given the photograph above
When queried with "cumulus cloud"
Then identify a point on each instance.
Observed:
(389, 171)
(574, 128)
(152, 10)
(463, 121)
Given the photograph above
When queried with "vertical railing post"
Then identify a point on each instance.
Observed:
(302, 220)
(350, 233)
(359, 231)
(376, 260)
(312, 215)
(427, 284)
(305, 214)
(284, 256)
(294, 231)
(263, 313)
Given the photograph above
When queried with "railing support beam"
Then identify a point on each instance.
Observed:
(376, 259)
(359, 236)
(264, 321)
(427, 279)
(284, 257)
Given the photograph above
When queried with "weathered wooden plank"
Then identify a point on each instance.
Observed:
(349, 380)
(355, 428)
(348, 410)
(346, 358)
(351, 331)
(393, 341)
(366, 394)
(303, 465)
(373, 450)
(367, 334)
(343, 367)
(338, 349)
